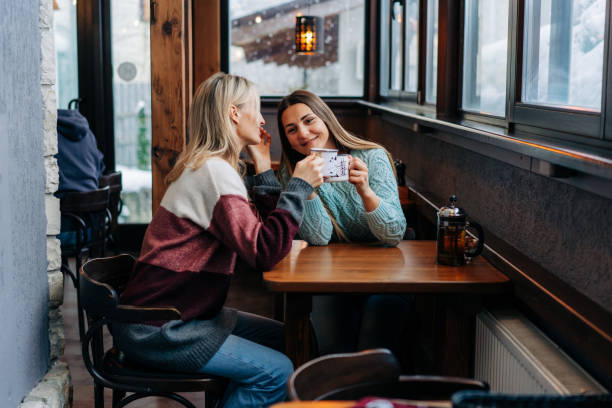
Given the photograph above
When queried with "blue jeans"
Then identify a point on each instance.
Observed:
(251, 359)
(346, 323)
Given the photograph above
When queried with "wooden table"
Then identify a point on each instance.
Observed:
(408, 268)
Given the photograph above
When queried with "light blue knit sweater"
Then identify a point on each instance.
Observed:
(386, 224)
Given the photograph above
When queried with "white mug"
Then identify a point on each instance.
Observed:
(329, 160)
(340, 166)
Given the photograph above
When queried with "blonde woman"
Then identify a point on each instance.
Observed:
(365, 208)
(204, 223)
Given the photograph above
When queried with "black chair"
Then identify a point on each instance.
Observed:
(114, 182)
(85, 221)
(102, 281)
(479, 399)
(376, 372)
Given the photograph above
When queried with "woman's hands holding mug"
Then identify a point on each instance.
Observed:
(260, 153)
(310, 170)
(358, 176)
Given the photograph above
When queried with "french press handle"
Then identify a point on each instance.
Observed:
(479, 247)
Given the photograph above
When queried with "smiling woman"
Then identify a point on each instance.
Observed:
(305, 130)
(366, 208)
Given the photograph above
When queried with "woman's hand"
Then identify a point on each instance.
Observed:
(310, 170)
(260, 153)
(358, 176)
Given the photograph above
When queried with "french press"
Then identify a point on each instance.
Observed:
(453, 248)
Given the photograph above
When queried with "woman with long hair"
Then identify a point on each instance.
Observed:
(364, 209)
(190, 249)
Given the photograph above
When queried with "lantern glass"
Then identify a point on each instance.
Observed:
(309, 35)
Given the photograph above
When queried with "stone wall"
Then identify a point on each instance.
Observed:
(55, 389)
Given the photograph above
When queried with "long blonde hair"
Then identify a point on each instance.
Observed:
(344, 140)
(211, 131)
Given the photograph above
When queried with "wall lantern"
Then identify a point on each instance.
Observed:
(309, 35)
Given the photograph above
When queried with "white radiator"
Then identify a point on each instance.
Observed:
(514, 356)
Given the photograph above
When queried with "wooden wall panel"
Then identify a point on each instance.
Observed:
(170, 68)
(206, 40)
(185, 50)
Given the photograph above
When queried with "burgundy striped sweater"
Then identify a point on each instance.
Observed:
(203, 224)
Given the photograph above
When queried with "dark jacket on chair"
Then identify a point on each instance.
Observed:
(78, 158)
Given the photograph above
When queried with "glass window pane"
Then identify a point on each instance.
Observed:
(132, 106)
(563, 52)
(65, 32)
(431, 68)
(484, 56)
(262, 48)
(397, 20)
(412, 45)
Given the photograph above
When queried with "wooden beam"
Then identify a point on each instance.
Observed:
(448, 59)
(372, 88)
(170, 73)
(206, 40)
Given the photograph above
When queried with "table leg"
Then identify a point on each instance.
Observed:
(455, 334)
(297, 327)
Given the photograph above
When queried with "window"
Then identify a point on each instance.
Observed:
(397, 54)
(485, 52)
(563, 48)
(411, 65)
(132, 106)
(262, 46)
(560, 80)
(404, 61)
(409, 70)
(65, 32)
(431, 67)
(534, 67)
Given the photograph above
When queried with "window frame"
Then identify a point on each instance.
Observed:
(468, 115)
(95, 74)
(585, 128)
(569, 124)
(385, 91)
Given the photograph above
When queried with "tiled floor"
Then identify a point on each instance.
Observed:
(246, 293)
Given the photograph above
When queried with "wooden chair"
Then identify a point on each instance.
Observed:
(114, 182)
(85, 220)
(376, 372)
(479, 399)
(101, 283)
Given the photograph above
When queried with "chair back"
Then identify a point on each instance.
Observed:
(101, 283)
(479, 399)
(114, 182)
(86, 214)
(327, 375)
(411, 387)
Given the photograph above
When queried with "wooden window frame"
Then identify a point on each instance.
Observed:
(385, 91)
(588, 129)
(568, 124)
(583, 127)
(489, 119)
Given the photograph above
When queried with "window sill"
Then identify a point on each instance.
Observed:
(586, 167)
